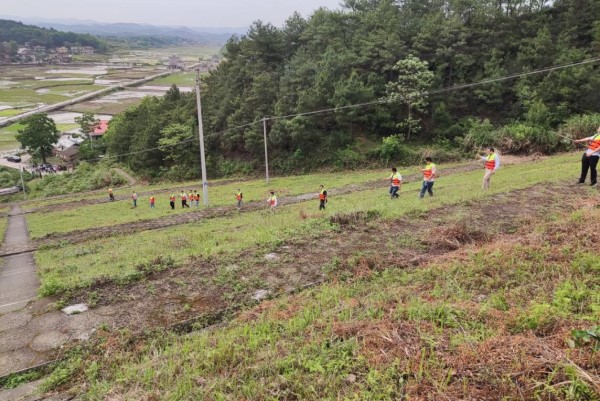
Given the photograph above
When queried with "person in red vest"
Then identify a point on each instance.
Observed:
(272, 201)
(172, 199)
(239, 197)
(322, 197)
(429, 173)
(152, 200)
(590, 157)
(492, 163)
(184, 197)
(395, 181)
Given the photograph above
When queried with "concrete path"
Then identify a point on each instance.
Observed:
(18, 279)
(31, 329)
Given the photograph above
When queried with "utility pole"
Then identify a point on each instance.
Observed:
(266, 151)
(201, 134)
(23, 183)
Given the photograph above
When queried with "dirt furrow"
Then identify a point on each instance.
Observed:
(362, 244)
(78, 236)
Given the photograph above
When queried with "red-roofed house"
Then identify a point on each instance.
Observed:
(100, 129)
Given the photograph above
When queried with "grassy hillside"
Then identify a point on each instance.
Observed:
(466, 295)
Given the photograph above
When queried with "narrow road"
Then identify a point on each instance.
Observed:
(31, 330)
(18, 278)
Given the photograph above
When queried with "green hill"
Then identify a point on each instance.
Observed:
(19, 34)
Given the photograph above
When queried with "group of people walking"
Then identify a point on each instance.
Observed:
(490, 159)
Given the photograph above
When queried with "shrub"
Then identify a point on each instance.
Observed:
(580, 126)
(348, 158)
(393, 149)
(87, 177)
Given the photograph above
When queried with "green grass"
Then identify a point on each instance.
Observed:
(411, 333)
(57, 92)
(11, 112)
(41, 224)
(77, 266)
(179, 79)
(3, 225)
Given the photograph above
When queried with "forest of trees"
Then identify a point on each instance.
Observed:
(371, 50)
(19, 33)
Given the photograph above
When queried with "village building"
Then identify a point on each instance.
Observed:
(100, 130)
(175, 63)
(67, 147)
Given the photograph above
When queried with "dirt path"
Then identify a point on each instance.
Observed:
(132, 181)
(210, 286)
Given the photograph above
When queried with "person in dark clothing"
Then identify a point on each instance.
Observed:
(589, 160)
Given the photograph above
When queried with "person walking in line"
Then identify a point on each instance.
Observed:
(152, 200)
(197, 199)
(239, 197)
(589, 160)
(184, 197)
(492, 163)
(272, 201)
(172, 199)
(134, 198)
(429, 174)
(396, 181)
(322, 197)
(111, 196)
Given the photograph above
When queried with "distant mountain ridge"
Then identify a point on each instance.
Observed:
(217, 35)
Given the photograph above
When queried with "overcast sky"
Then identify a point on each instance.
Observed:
(211, 13)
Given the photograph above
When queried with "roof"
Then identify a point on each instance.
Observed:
(67, 141)
(101, 128)
(69, 152)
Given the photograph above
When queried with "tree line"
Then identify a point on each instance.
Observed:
(370, 50)
(18, 33)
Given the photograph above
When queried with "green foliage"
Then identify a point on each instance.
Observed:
(17, 33)
(86, 177)
(349, 158)
(410, 90)
(580, 126)
(87, 123)
(38, 135)
(372, 50)
(394, 149)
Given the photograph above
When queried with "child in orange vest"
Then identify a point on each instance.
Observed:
(152, 202)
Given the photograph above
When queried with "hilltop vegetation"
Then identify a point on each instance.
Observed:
(19, 34)
(345, 57)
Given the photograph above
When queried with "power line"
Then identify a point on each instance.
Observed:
(374, 102)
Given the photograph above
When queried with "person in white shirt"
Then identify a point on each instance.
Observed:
(492, 163)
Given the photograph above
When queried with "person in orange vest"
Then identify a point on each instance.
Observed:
(134, 198)
(239, 197)
(152, 200)
(272, 200)
(172, 199)
(197, 198)
(590, 158)
(492, 163)
(395, 181)
(184, 197)
(111, 196)
(322, 197)
(429, 173)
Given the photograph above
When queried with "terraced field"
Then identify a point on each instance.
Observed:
(466, 295)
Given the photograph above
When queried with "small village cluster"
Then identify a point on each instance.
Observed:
(29, 53)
